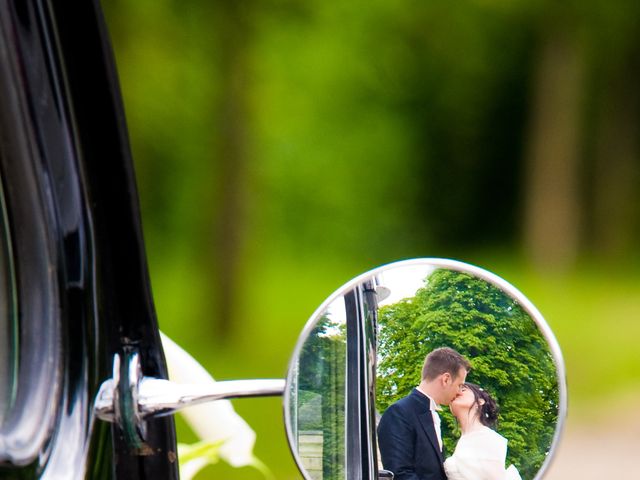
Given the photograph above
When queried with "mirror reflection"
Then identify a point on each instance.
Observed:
(469, 381)
(317, 397)
(513, 380)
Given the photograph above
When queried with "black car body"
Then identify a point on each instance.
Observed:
(74, 288)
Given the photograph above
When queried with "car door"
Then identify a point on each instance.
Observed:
(74, 287)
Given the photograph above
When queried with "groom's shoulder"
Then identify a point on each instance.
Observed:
(404, 403)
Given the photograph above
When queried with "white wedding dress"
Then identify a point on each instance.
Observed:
(480, 455)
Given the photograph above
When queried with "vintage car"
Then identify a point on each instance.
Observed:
(83, 380)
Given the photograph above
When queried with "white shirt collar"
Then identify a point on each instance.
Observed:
(432, 404)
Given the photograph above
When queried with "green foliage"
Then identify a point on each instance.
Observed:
(376, 130)
(204, 454)
(321, 393)
(509, 355)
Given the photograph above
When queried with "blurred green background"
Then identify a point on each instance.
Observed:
(284, 146)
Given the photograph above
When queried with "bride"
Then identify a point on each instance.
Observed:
(481, 451)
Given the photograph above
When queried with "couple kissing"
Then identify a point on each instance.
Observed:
(409, 432)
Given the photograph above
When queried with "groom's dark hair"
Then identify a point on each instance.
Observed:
(443, 360)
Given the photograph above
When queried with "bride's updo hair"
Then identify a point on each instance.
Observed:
(487, 406)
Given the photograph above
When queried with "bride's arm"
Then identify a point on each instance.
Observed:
(474, 468)
(485, 454)
(494, 470)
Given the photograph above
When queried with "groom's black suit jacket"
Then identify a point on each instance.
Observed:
(408, 442)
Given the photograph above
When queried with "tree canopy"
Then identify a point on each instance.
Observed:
(509, 356)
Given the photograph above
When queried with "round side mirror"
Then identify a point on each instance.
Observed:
(362, 352)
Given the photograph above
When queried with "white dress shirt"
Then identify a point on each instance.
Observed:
(435, 408)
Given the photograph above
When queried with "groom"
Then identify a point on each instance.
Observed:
(409, 434)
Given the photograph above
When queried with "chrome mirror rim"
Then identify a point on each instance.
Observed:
(458, 266)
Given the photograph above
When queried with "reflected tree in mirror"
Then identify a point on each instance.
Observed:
(318, 400)
(510, 358)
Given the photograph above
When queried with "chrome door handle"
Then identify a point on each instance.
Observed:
(129, 398)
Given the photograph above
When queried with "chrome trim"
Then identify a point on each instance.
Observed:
(152, 397)
(163, 397)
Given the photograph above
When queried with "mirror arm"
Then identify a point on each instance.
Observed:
(131, 400)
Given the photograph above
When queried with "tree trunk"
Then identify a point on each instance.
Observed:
(552, 186)
(616, 164)
(232, 157)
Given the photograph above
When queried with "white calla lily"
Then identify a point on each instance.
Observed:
(223, 432)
